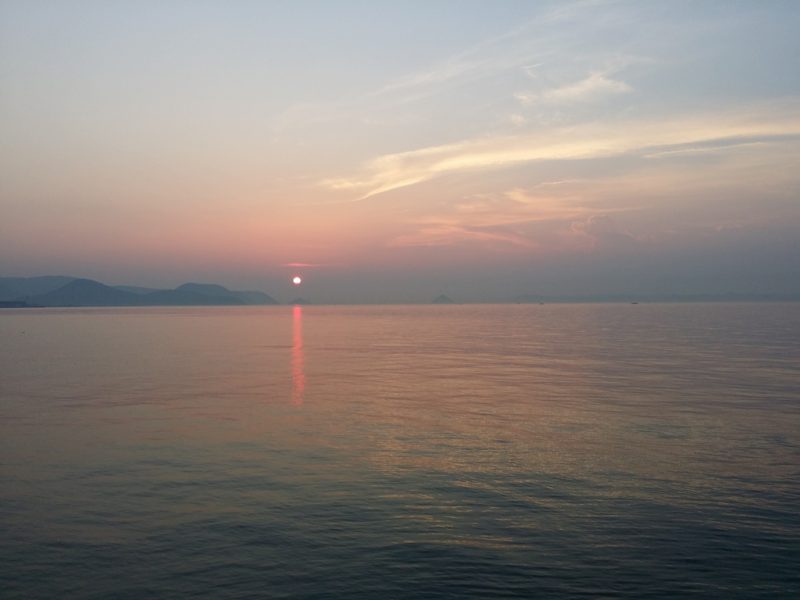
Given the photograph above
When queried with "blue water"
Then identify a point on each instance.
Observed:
(636, 451)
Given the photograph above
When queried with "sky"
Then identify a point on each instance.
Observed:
(393, 151)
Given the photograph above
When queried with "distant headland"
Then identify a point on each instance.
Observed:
(59, 291)
(62, 291)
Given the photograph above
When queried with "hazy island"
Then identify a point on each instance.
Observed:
(59, 291)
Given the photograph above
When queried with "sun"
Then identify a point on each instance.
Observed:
(297, 280)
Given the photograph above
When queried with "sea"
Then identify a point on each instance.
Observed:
(396, 452)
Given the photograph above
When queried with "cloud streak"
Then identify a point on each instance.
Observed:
(593, 87)
(515, 220)
(509, 50)
(591, 141)
(305, 265)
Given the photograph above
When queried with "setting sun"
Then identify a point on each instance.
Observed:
(297, 280)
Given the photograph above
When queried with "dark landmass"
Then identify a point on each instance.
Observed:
(63, 291)
(179, 297)
(20, 292)
(232, 296)
(135, 289)
(86, 292)
(442, 299)
(14, 304)
(18, 288)
(208, 289)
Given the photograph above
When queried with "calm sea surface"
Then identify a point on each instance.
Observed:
(401, 452)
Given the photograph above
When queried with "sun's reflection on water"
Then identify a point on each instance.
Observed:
(298, 358)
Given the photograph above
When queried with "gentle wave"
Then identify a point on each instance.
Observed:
(645, 451)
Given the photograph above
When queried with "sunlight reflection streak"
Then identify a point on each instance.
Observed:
(298, 358)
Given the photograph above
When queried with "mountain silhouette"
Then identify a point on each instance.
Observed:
(20, 288)
(442, 299)
(208, 289)
(68, 291)
(217, 291)
(181, 297)
(86, 292)
(136, 289)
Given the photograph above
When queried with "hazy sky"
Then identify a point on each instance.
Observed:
(403, 149)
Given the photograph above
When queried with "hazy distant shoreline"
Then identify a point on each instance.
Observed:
(60, 291)
(71, 292)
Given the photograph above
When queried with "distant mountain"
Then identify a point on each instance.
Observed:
(218, 291)
(135, 289)
(86, 292)
(300, 301)
(20, 288)
(199, 294)
(442, 299)
(182, 297)
(207, 289)
(68, 291)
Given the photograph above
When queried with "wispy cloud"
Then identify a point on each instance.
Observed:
(719, 145)
(509, 50)
(596, 85)
(595, 140)
(305, 265)
(447, 233)
(528, 48)
(518, 219)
